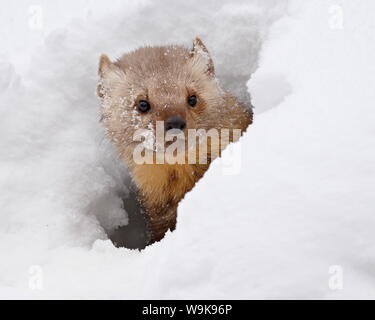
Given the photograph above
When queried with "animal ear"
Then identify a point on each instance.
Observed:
(109, 74)
(104, 65)
(200, 50)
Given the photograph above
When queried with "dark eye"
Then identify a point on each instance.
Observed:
(143, 106)
(192, 100)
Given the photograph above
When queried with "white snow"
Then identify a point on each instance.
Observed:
(302, 203)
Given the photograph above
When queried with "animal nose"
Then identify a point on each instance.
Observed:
(175, 123)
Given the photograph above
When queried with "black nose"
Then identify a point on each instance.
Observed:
(175, 123)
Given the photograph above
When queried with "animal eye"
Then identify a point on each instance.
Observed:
(143, 106)
(192, 100)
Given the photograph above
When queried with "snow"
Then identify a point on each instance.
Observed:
(300, 206)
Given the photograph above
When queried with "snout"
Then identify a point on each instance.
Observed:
(175, 123)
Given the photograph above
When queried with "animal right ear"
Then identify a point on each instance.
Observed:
(104, 65)
(109, 74)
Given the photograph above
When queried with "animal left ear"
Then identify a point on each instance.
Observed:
(200, 50)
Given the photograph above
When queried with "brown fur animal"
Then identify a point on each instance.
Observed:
(157, 84)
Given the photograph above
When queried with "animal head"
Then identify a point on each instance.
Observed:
(172, 84)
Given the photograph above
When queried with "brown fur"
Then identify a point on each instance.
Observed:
(165, 76)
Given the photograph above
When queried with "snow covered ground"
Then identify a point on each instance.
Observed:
(296, 221)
